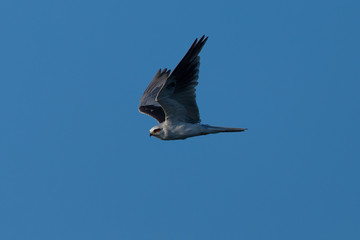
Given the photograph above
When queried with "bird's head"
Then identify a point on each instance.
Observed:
(157, 131)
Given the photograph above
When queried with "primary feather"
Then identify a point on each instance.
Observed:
(177, 95)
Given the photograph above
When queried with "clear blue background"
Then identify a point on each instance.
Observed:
(77, 161)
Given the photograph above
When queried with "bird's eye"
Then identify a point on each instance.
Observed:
(157, 130)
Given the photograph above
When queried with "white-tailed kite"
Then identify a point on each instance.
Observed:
(170, 99)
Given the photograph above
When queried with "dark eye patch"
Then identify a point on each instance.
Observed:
(157, 130)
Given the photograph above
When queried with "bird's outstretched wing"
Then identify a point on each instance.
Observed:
(177, 95)
(148, 105)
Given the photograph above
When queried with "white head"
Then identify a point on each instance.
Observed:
(157, 131)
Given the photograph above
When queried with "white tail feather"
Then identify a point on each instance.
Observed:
(212, 129)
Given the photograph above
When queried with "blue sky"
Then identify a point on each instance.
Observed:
(76, 161)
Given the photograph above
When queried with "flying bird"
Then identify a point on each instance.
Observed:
(170, 98)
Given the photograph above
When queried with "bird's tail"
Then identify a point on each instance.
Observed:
(213, 129)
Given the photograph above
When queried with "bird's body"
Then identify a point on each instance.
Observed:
(171, 100)
(174, 131)
(183, 130)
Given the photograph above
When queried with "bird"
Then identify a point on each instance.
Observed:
(170, 98)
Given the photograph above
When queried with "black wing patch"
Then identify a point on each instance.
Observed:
(153, 111)
(148, 105)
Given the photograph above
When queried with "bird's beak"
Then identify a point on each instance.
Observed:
(150, 135)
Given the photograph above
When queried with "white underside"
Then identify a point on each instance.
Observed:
(182, 130)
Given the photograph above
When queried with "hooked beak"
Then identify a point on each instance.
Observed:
(150, 135)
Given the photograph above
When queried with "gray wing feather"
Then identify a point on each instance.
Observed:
(177, 95)
(148, 105)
